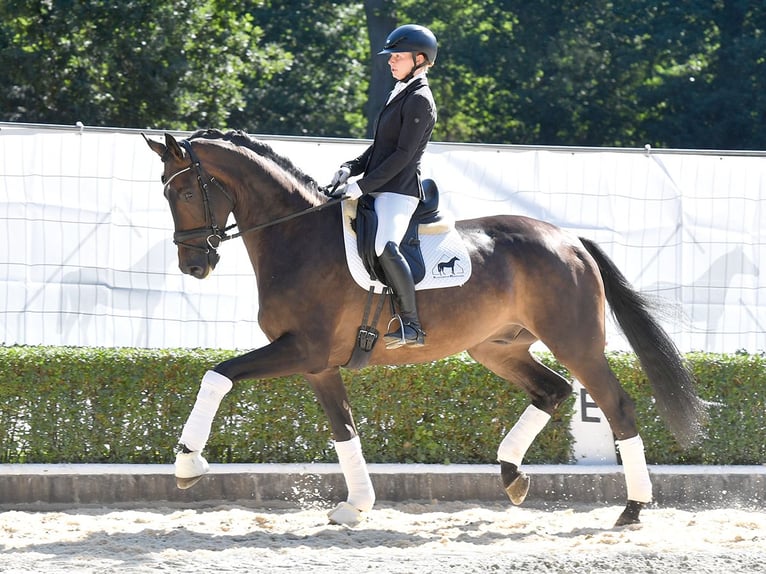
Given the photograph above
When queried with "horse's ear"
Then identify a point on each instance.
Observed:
(170, 147)
(173, 147)
(158, 147)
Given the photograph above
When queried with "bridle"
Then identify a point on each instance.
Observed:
(213, 234)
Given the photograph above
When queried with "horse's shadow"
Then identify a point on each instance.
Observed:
(137, 547)
(76, 304)
(711, 287)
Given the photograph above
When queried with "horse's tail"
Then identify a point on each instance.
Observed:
(671, 380)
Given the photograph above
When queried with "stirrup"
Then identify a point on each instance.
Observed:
(407, 334)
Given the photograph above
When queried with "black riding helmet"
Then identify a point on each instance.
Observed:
(412, 38)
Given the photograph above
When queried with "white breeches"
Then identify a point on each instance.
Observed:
(394, 212)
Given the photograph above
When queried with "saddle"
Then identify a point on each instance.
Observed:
(431, 246)
(365, 225)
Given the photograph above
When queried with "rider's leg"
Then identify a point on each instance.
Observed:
(394, 212)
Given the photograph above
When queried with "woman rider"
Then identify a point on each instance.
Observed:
(390, 167)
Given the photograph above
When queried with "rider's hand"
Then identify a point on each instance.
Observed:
(352, 191)
(340, 176)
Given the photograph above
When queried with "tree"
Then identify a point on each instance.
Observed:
(139, 63)
(321, 91)
(570, 72)
(709, 91)
(599, 72)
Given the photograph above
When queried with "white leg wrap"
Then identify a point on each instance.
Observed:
(520, 437)
(634, 466)
(361, 494)
(197, 429)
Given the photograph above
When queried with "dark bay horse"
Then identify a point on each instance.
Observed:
(531, 281)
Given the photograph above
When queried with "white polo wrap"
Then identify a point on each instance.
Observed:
(213, 388)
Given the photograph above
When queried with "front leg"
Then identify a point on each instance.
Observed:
(331, 393)
(282, 357)
(190, 465)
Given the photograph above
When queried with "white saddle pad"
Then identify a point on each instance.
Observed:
(444, 253)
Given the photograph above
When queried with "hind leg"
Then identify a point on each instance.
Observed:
(547, 390)
(582, 353)
(597, 377)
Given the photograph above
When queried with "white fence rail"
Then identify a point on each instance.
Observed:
(86, 256)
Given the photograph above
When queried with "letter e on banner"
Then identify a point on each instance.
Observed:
(594, 441)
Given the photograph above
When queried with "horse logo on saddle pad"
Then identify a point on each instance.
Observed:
(432, 246)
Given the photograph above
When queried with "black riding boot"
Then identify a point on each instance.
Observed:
(399, 279)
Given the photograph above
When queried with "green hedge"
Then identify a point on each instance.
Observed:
(61, 404)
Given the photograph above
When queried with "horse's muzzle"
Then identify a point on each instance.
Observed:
(198, 265)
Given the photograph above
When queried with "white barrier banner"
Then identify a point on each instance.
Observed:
(87, 257)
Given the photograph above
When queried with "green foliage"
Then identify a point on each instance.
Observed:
(570, 72)
(737, 413)
(322, 89)
(138, 63)
(599, 73)
(452, 410)
(60, 404)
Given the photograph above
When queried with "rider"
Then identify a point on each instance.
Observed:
(391, 167)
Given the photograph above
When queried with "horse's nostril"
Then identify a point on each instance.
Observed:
(196, 271)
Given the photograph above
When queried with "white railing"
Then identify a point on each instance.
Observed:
(86, 256)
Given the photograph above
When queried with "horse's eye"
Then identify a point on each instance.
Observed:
(188, 195)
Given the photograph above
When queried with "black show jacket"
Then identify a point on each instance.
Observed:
(403, 128)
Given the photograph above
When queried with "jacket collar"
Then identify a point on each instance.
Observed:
(415, 83)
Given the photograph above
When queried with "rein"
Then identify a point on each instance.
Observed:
(213, 234)
(280, 219)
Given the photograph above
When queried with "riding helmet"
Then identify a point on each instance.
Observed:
(411, 38)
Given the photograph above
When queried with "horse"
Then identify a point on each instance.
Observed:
(448, 265)
(531, 281)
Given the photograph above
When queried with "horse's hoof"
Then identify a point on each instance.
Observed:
(184, 483)
(515, 482)
(346, 515)
(630, 514)
(518, 489)
(190, 467)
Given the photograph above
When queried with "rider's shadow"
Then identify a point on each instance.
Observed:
(707, 295)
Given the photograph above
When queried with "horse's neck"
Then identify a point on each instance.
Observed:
(266, 196)
(273, 242)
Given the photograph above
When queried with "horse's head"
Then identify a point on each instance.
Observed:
(200, 210)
